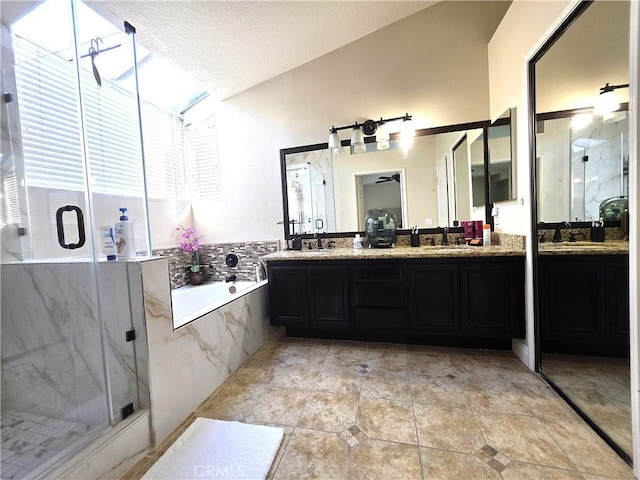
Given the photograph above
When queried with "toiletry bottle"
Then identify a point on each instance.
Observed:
(108, 242)
(123, 232)
(357, 241)
(486, 234)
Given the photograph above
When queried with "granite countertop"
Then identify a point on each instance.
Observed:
(395, 252)
(615, 247)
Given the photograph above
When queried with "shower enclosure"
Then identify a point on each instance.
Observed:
(71, 157)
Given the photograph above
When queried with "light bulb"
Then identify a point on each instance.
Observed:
(334, 140)
(357, 140)
(606, 102)
(382, 137)
(408, 132)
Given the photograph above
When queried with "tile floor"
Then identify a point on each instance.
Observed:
(600, 387)
(356, 410)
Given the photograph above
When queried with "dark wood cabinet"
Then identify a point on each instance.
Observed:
(454, 301)
(328, 295)
(584, 304)
(492, 297)
(435, 297)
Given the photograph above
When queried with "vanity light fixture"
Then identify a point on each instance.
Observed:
(379, 128)
(608, 101)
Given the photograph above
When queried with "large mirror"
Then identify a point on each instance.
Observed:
(437, 182)
(580, 162)
(502, 164)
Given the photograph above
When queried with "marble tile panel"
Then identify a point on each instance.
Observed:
(448, 428)
(281, 406)
(312, 454)
(330, 412)
(588, 452)
(446, 465)
(387, 384)
(387, 420)
(379, 459)
(521, 438)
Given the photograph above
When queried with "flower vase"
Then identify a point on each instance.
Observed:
(196, 278)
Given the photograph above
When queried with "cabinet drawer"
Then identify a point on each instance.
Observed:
(379, 294)
(379, 273)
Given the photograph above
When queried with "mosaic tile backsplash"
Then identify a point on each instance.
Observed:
(212, 256)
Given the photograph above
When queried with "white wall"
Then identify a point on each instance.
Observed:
(432, 64)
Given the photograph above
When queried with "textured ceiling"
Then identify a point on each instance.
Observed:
(229, 47)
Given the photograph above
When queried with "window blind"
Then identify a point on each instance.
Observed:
(204, 167)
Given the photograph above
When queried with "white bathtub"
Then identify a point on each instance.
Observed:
(191, 302)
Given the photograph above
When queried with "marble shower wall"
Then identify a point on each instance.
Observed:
(51, 349)
(187, 365)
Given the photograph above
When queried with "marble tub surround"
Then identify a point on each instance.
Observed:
(609, 247)
(354, 410)
(186, 365)
(212, 256)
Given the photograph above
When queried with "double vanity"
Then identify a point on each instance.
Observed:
(441, 295)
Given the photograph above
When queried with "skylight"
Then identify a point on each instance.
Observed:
(49, 27)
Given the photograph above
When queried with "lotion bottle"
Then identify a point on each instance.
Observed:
(486, 234)
(123, 232)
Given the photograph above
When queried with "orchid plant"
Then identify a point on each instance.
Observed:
(191, 244)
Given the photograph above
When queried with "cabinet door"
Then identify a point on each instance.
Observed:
(328, 296)
(288, 295)
(616, 301)
(434, 298)
(570, 302)
(492, 298)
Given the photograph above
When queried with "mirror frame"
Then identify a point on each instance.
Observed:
(535, 226)
(483, 124)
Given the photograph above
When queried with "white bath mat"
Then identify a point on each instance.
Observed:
(216, 449)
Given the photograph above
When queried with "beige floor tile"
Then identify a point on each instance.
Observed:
(281, 406)
(255, 371)
(390, 360)
(330, 412)
(521, 438)
(437, 390)
(495, 395)
(588, 452)
(446, 465)
(338, 379)
(543, 402)
(296, 375)
(288, 434)
(430, 364)
(523, 471)
(387, 420)
(309, 353)
(424, 349)
(347, 356)
(384, 384)
(311, 454)
(448, 428)
(384, 460)
(232, 401)
(397, 347)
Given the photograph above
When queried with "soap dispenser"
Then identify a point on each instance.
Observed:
(123, 232)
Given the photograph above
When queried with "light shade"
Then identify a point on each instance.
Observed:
(357, 140)
(334, 140)
(382, 137)
(408, 132)
(606, 102)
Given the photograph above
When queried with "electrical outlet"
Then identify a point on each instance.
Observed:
(428, 222)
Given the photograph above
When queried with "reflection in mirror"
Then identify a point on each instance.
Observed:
(381, 191)
(501, 159)
(325, 192)
(580, 163)
(583, 162)
(478, 179)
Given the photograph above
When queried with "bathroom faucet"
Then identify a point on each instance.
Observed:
(230, 278)
(445, 240)
(331, 244)
(557, 236)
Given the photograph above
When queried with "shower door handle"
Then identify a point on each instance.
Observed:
(60, 227)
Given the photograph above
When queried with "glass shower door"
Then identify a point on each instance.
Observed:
(68, 372)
